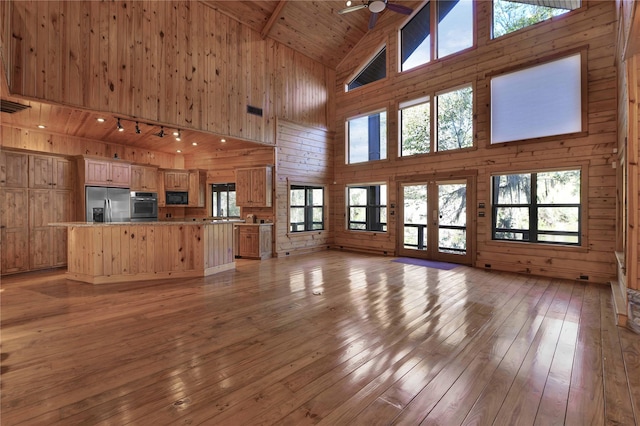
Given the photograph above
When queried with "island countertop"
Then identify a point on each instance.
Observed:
(155, 223)
(111, 252)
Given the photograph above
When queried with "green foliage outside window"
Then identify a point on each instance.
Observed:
(510, 16)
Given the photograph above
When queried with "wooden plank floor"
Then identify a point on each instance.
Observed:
(330, 338)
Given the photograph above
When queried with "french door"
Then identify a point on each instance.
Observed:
(434, 222)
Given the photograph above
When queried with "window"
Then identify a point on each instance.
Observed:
(375, 70)
(453, 122)
(367, 206)
(223, 200)
(306, 211)
(454, 32)
(539, 101)
(415, 125)
(367, 138)
(455, 119)
(512, 15)
(540, 207)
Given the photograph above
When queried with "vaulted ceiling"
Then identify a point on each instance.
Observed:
(312, 27)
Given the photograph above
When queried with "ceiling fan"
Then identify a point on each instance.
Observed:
(375, 7)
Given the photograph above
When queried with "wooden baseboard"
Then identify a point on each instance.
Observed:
(110, 279)
(619, 303)
(363, 250)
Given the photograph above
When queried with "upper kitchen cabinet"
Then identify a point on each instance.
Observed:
(176, 180)
(14, 172)
(144, 178)
(254, 187)
(197, 188)
(50, 172)
(104, 172)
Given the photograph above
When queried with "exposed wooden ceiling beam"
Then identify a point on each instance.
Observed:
(272, 19)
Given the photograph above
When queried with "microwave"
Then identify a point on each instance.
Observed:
(177, 198)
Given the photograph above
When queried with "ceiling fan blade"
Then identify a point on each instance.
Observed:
(399, 8)
(373, 18)
(352, 9)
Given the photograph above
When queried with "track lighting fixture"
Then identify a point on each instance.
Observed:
(177, 133)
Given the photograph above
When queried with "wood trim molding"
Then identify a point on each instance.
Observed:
(272, 19)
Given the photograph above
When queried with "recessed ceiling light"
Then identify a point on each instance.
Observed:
(223, 140)
(178, 150)
(41, 126)
(100, 120)
(194, 143)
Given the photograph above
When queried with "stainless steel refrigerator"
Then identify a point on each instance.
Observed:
(107, 204)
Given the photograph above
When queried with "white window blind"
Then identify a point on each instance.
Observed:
(544, 100)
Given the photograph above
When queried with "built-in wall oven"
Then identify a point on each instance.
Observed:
(144, 206)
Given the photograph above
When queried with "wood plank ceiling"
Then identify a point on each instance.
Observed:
(312, 27)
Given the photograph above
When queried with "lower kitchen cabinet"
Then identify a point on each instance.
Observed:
(48, 245)
(255, 240)
(14, 227)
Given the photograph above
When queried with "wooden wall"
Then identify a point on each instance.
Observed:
(304, 157)
(628, 202)
(175, 62)
(592, 27)
(42, 141)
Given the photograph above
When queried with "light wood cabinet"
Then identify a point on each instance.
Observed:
(49, 172)
(106, 173)
(14, 230)
(176, 180)
(197, 188)
(45, 195)
(144, 178)
(255, 241)
(48, 245)
(254, 187)
(14, 171)
(161, 191)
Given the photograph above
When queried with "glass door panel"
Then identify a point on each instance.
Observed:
(452, 218)
(416, 215)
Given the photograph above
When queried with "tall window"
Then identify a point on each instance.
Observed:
(415, 125)
(541, 207)
(455, 119)
(367, 138)
(454, 32)
(223, 200)
(306, 210)
(367, 206)
(375, 70)
(512, 15)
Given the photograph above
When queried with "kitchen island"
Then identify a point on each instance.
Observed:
(100, 253)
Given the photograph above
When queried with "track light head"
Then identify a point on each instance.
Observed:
(138, 131)
(160, 134)
(119, 125)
